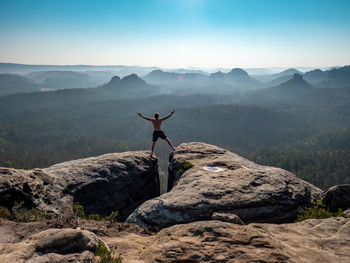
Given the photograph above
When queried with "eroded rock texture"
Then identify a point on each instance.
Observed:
(110, 182)
(221, 181)
(215, 241)
(52, 245)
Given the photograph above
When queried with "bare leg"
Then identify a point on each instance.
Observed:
(170, 144)
(153, 144)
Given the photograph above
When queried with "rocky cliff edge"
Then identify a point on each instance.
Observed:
(102, 184)
(205, 179)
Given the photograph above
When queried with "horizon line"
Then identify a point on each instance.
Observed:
(187, 67)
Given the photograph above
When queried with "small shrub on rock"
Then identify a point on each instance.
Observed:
(318, 210)
(4, 212)
(106, 255)
(113, 216)
(78, 210)
(20, 213)
(184, 166)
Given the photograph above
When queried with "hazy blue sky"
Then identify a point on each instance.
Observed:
(176, 33)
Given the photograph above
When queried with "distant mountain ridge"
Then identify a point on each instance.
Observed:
(12, 83)
(122, 70)
(283, 74)
(315, 76)
(129, 86)
(235, 81)
(159, 76)
(296, 83)
(237, 78)
(294, 91)
(337, 78)
(236, 74)
(62, 79)
(132, 79)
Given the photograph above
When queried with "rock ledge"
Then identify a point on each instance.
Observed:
(102, 184)
(253, 192)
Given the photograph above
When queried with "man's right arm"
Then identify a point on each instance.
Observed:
(149, 119)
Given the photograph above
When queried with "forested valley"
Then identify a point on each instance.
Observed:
(306, 131)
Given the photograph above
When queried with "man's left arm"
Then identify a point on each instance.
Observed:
(144, 117)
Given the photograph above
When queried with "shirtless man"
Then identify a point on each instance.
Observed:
(157, 132)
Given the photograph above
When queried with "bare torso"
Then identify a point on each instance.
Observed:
(157, 124)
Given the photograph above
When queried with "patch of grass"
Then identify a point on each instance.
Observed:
(31, 215)
(80, 212)
(184, 166)
(106, 255)
(113, 216)
(20, 213)
(95, 217)
(4, 212)
(318, 210)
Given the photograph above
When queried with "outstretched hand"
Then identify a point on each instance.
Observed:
(139, 113)
(173, 111)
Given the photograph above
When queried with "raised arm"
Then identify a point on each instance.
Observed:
(167, 117)
(149, 119)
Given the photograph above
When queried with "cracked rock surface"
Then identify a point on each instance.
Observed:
(102, 184)
(232, 185)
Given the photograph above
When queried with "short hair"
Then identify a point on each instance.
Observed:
(156, 115)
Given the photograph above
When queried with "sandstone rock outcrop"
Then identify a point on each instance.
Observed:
(310, 241)
(110, 182)
(221, 181)
(52, 245)
(227, 217)
(337, 196)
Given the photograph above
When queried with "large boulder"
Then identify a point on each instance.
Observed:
(220, 181)
(52, 245)
(337, 196)
(110, 182)
(310, 241)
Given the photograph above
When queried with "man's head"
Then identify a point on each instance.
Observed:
(156, 115)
